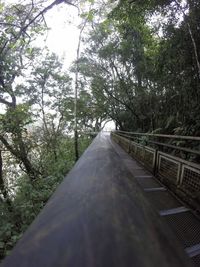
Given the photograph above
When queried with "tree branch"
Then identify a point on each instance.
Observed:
(41, 13)
(8, 146)
(191, 36)
(5, 102)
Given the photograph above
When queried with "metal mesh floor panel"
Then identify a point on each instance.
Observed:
(191, 179)
(139, 153)
(162, 200)
(168, 169)
(148, 158)
(196, 260)
(186, 226)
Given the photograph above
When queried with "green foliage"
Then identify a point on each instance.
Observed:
(36, 121)
(142, 75)
(16, 119)
(89, 15)
(28, 201)
(30, 198)
(147, 73)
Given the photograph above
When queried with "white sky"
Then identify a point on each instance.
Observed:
(63, 36)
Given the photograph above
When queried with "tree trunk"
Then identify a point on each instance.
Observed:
(195, 51)
(2, 184)
(76, 145)
(21, 154)
(76, 150)
(3, 188)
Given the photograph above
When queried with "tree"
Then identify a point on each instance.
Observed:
(49, 92)
(36, 116)
(19, 24)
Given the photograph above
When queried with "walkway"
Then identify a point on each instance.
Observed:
(100, 216)
(183, 222)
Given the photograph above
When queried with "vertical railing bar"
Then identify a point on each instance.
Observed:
(155, 167)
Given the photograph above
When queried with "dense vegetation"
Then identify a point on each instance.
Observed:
(36, 120)
(142, 64)
(140, 68)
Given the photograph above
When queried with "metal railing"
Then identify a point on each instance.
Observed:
(147, 138)
(91, 221)
(178, 173)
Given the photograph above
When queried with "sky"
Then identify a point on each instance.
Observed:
(62, 37)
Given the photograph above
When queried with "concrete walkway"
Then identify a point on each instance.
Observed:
(100, 217)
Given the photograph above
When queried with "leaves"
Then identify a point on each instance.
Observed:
(35, 122)
(142, 75)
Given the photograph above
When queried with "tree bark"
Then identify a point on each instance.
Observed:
(21, 155)
(2, 184)
(76, 149)
(191, 37)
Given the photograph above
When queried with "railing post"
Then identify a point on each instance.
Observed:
(155, 163)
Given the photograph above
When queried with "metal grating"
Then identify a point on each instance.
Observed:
(196, 260)
(125, 144)
(140, 153)
(149, 158)
(168, 168)
(186, 227)
(187, 175)
(190, 179)
(133, 148)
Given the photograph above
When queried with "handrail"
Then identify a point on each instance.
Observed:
(98, 216)
(193, 138)
(181, 175)
(176, 147)
(185, 149)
